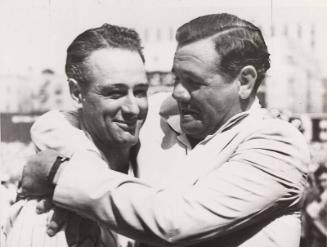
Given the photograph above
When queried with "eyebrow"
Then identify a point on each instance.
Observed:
(194, 77)
(110, 86)
(142, 84)
(122, 85)
(187, 72)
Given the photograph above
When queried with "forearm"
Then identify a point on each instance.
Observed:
(165, 217)
(119, 202)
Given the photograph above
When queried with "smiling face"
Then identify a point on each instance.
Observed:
(114, 103)
(206, 98)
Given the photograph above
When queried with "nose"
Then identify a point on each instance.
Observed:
(130, 107)
(180, 93)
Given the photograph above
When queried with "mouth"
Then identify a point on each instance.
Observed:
(129, 126)
(188, 110)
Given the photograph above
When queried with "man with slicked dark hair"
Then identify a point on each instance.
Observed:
(220, 173)
(108, 84)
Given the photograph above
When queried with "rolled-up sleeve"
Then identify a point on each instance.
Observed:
(264, 178)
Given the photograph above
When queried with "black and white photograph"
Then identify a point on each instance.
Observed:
(163, 123)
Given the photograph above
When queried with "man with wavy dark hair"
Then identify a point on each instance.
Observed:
(108, 84)
(238, 43)
(220, 173)
(106, 36)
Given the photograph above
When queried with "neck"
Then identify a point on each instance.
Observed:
(245, 105)
(117, 157)
(193, 141)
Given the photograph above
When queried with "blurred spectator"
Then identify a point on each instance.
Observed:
(316, 211)
(288, 116)
(7, 198)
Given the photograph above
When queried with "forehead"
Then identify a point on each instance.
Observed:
(116, 66)
(200, 55)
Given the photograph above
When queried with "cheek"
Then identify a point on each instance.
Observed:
(219, 103)
(211, 104)
(143, 106)
(212, 110)
(94, 105)
(109, 107)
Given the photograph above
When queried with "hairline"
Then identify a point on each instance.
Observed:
(211, 38)
(87, 71)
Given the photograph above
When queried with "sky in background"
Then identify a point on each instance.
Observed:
(36, 33)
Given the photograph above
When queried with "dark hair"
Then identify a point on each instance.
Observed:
(238, 43)
(94, 39)
(320, 170)
(317, 173)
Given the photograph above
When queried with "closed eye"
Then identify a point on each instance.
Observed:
(190, 84)
(115, 94)
(141, 91)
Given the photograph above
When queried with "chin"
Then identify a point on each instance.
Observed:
(191, 129)
(195, 133)
(127, 141)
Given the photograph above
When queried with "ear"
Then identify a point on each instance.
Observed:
(247, 78)
(75, 92)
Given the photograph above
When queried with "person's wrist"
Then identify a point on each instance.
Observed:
(58, 173)
(55, 170)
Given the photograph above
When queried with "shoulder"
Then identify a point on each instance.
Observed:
(54, 130)
(51, 119)
(160, 101)
(277, 142)
(273, 129)
(279, 130)
(160, 104)
(48, 122)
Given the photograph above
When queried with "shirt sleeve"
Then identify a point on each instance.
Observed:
(58, 131)
(264, 179)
